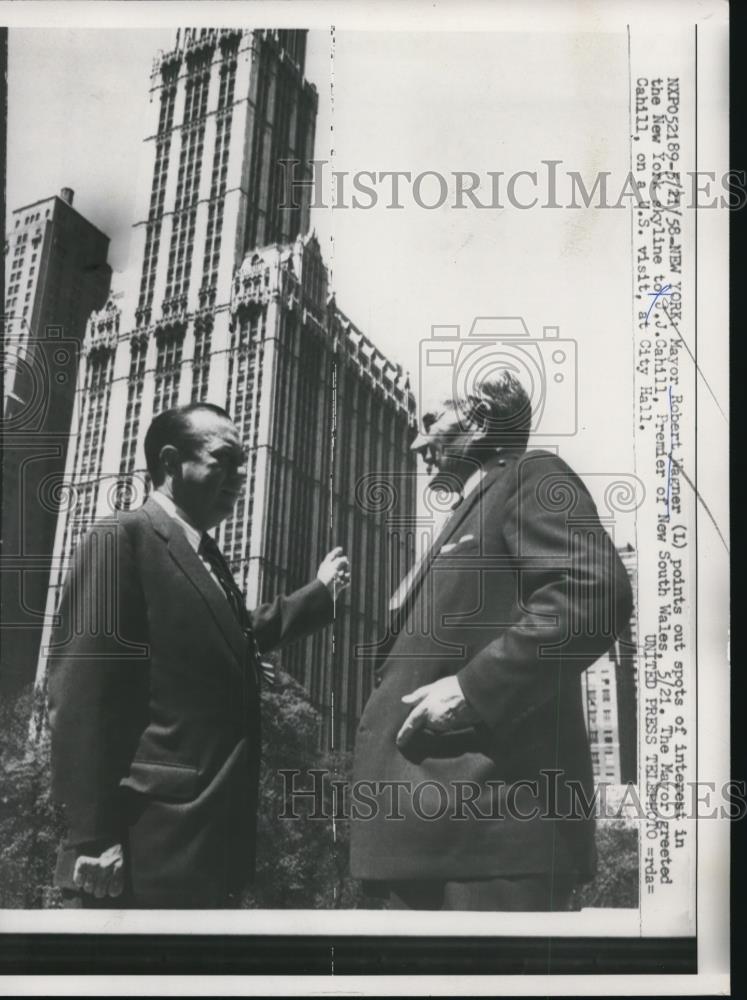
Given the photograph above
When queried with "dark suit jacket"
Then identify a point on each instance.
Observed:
(154, 710)
(519, 594)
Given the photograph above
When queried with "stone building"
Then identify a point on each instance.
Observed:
(226, 299)
(56, 272)
(611, 696)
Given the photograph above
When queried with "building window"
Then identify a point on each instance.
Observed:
(224, 118)
(168, 370)
(201, 361)
(158, 193)
(135, 381)
(243, 403)
(188, 177)
(89, 447)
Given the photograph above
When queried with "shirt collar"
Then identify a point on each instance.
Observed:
(194, 536)
(474, 480)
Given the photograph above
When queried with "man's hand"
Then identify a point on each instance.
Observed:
(101, 876)
(334, 571)
(440, 707)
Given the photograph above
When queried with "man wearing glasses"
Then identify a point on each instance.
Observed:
(472, 755)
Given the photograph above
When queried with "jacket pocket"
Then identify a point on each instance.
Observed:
(427, 743)
(163, 779)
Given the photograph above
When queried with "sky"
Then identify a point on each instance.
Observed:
(439, 101)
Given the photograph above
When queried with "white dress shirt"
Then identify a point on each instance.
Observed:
(193, 535)
(441, 519)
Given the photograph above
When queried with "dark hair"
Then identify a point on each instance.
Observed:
(503, 403)
(175, 428)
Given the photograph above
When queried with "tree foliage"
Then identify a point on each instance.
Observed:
(303, 845)
(302, 862)
(30, 824)
(616, 882)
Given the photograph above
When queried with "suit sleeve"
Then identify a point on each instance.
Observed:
(98, 684)
(574, 596)
(293, 616)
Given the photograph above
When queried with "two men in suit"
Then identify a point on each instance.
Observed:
(154, 684)
(474, 741)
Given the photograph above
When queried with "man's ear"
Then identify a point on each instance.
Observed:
(480, 418)
(170, 460)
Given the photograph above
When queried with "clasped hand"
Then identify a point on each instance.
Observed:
(440, 707)
(101, 875)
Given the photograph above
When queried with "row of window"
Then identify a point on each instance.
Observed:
(138, 354)
(607, 735)
(168, 99)
(160, 176)
(89, 448)
(16, 274)
(14, 289)
(168, 371)
(34, 217)
(607, 715)
(243, 402)
(201, 362)
(211, 254)
(158, 192)
(188, 180)
(196, 96)
(213, 235)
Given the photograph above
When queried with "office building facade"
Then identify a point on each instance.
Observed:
(226, 300)
(611, 698)
(56, 272)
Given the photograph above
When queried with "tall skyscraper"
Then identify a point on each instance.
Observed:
(55, 273)
(610, 699)
(226, 300)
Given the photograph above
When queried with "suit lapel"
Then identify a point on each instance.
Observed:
(187, 560)
(449, 529)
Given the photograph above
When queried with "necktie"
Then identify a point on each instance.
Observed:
(213, 555)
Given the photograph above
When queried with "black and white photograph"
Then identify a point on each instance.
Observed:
(365, 520)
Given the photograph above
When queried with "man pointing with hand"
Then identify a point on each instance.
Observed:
(154, 684)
